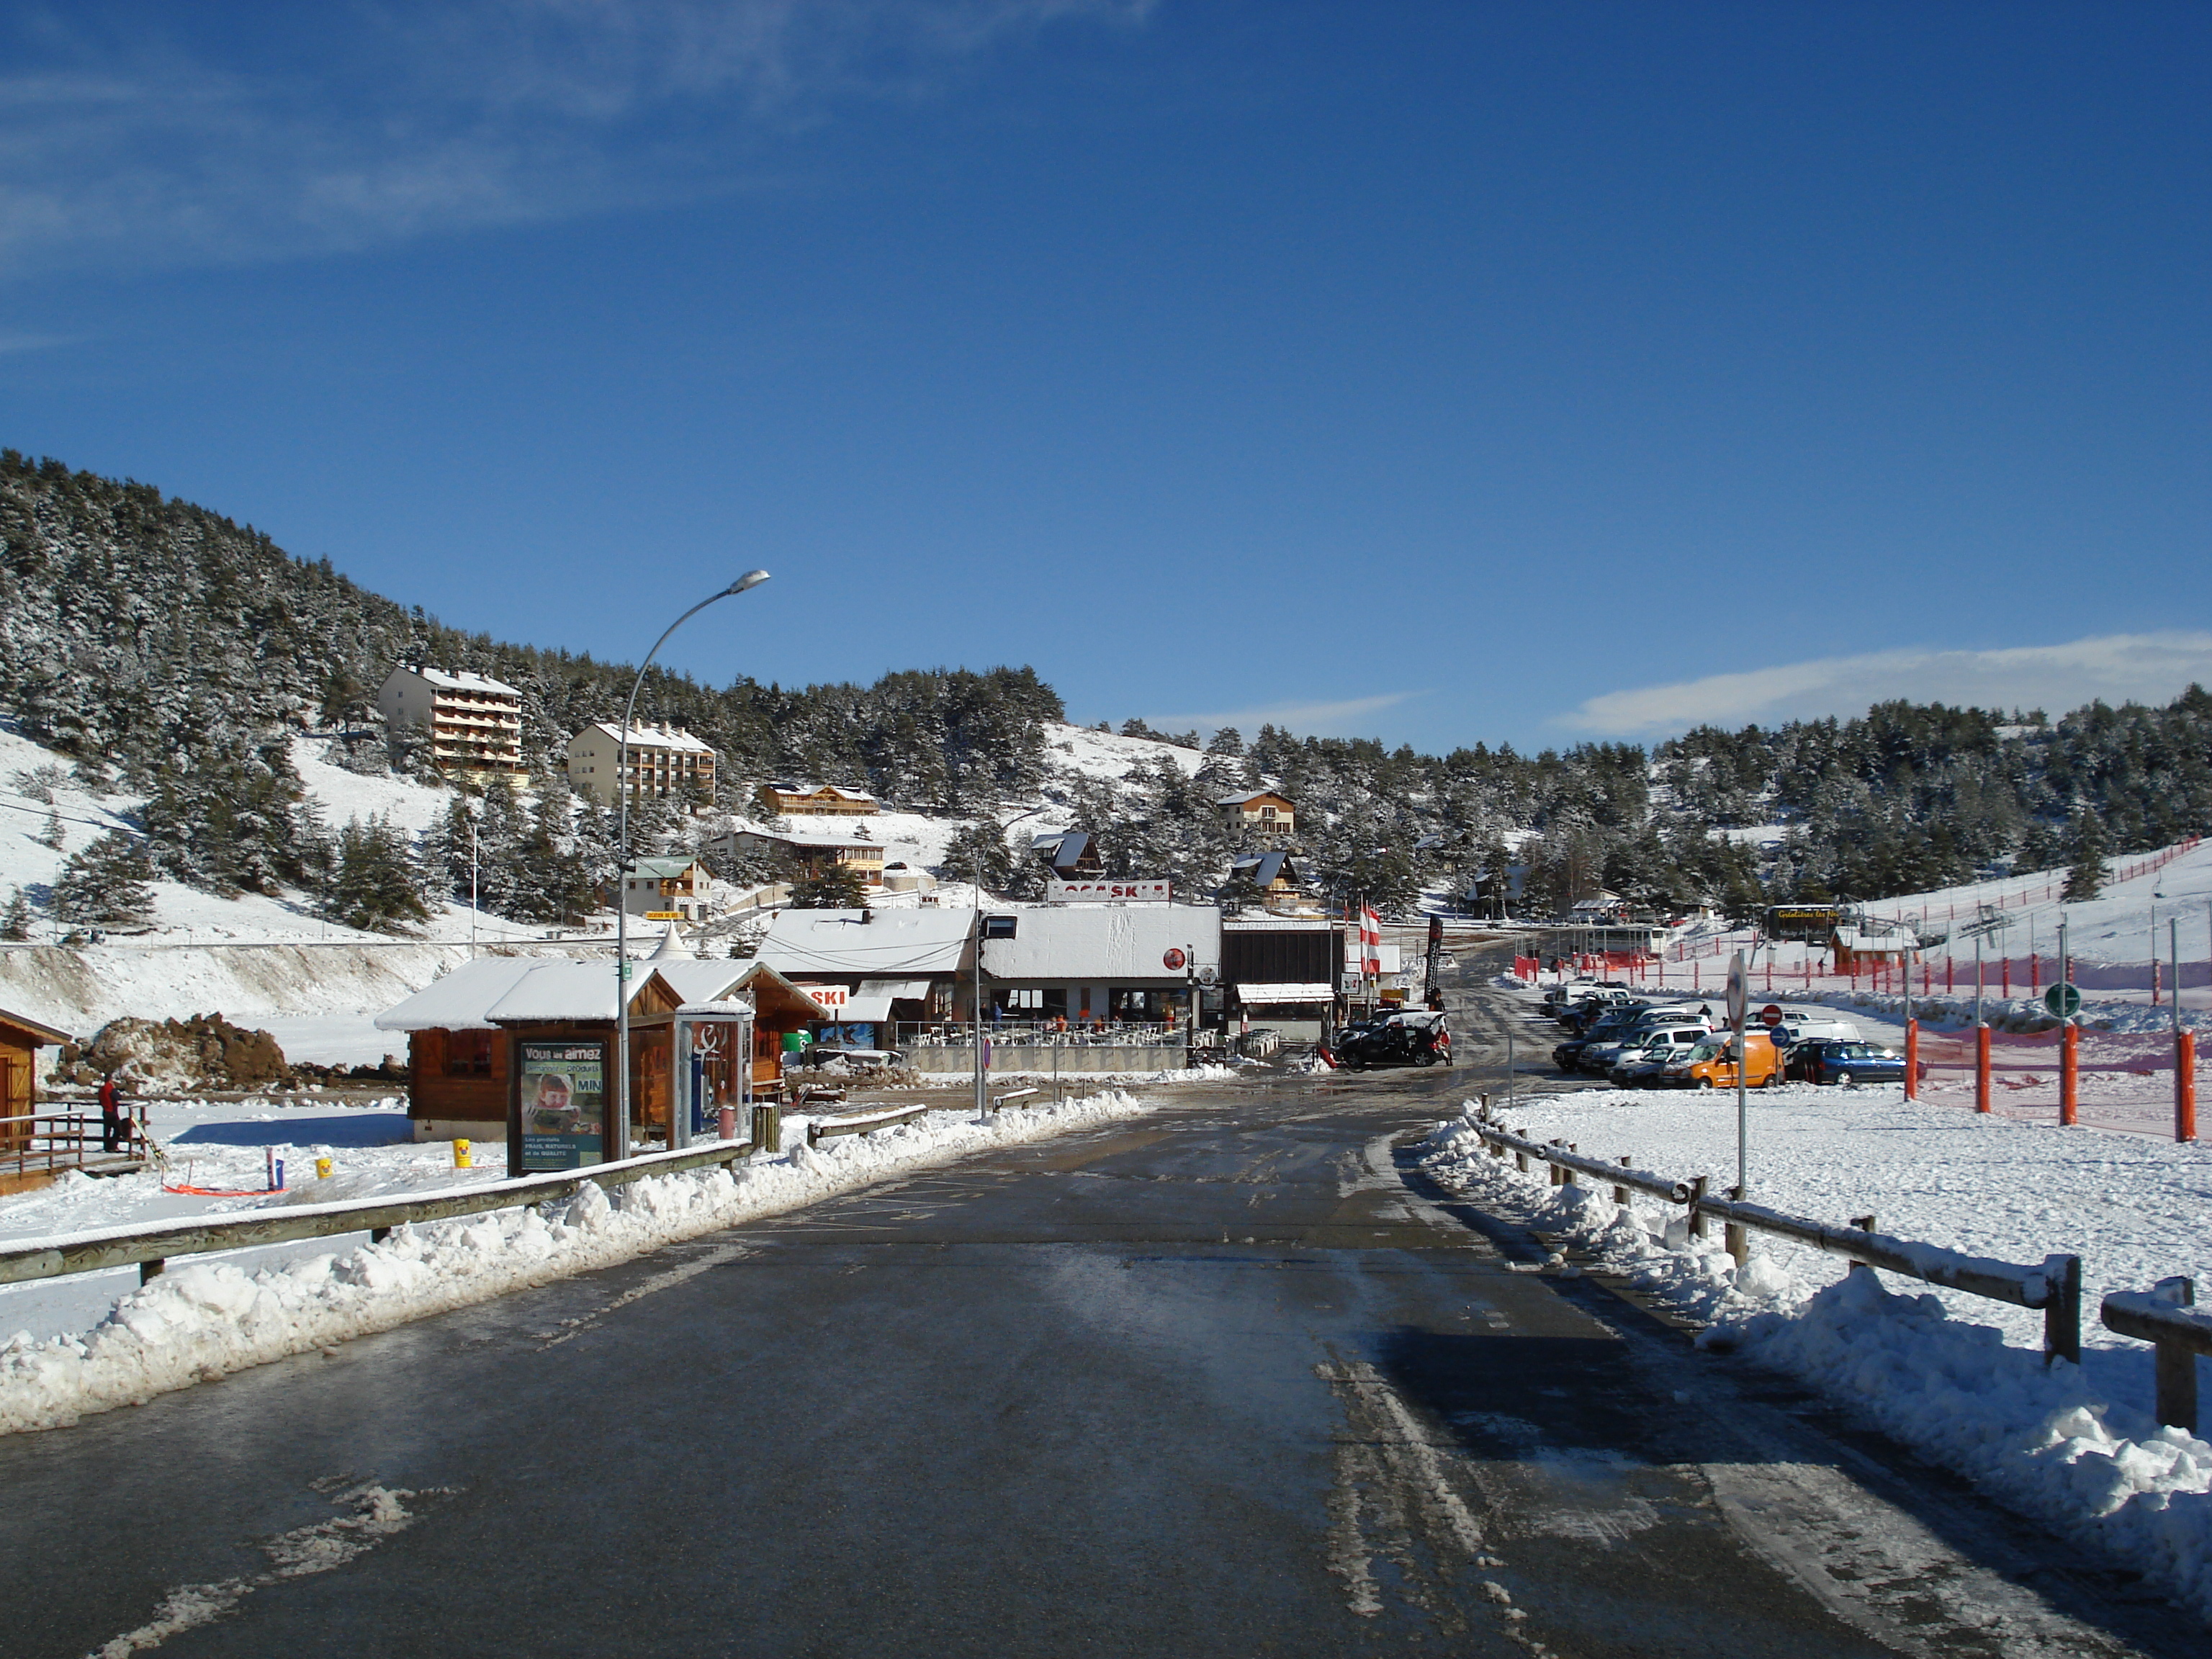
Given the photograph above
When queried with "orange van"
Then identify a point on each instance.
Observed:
(1711, 1064)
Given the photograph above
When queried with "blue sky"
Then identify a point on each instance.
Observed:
(1441, 372)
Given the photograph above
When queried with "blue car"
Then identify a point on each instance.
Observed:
(1831, 1060)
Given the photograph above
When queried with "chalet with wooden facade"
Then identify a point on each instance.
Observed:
(1259, 809)
(467, 1034)
(1282, 892)
(800, 800)
(809, 851)
(1068, 855)
(21, 1039)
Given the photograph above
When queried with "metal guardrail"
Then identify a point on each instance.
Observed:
(150, 1247)
(2166, 1317)
(2054, 1286)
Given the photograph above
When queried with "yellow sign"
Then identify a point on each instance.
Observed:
(664, 915)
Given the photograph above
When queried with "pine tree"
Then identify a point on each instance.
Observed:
(54, 836)
(2086, 848)
(978, 852)
(375, 887)
(829, 886)
(105, 882)
(15, 922)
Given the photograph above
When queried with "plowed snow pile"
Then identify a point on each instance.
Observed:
(1960, 1379)
(202, 1319)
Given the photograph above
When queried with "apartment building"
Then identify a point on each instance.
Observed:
(474, 722)
(664, 761)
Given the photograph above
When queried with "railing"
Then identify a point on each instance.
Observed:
(2054, 1286)
(1045, 1034)
(69, 1140)
(152, 1246)
(2165, 1317)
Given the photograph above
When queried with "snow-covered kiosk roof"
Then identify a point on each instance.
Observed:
(495, 991)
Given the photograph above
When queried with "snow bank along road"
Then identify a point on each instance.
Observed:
(1229, 1378)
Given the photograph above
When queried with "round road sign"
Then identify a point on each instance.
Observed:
(1771, 1014)
(1739, 990)
(1174, 958)
(2063, 1001)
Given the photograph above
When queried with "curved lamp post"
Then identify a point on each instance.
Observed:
(982, 1075)
(621, 1147)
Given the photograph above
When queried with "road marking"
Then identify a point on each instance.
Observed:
(667, 1280)
(378, 1512)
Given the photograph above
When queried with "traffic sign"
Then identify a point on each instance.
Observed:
(2063, 1001)
(664, 915)
(1771, 1014)
(1739, 991)
(1173, 958)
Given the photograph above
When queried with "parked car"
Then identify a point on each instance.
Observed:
(1640, 1068)
(1711, 1064)
(1669, 1041)
(1843, 1064)
(1614, 1024)
(1401, 1039)
(1600, 1055)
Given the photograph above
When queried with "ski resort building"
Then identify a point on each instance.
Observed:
(474, 722)
(665, 762)
(799, 801)
(809, 850)
(1260, 809)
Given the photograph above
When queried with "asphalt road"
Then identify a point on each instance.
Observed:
(1225, 1380)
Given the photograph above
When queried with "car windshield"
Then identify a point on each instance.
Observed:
(1854, 1051)
(1705, 1051)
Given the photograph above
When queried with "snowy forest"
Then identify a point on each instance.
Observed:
(173, 653)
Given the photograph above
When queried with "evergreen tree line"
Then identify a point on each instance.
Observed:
(173, 653)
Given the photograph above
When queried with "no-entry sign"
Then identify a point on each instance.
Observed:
(1771, 1014)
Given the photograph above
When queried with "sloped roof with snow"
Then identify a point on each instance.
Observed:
(461, 680)
(887, 943)
(651, 737)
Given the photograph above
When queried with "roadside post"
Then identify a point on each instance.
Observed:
(2185, 1047)
(1912, 1060)
(1739, 1003)
(2064, 1001)
(1981, 1068)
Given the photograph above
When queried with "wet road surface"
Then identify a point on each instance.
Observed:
(1229, 1379)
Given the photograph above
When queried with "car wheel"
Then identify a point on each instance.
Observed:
(1844, 1080)
(1705, 1083)
(1426, 1057)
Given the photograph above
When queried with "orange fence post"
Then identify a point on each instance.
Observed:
(2004, 970)
(2185, 1085)
(2069, 1075)
(1912, 1060)
(1982, 1068)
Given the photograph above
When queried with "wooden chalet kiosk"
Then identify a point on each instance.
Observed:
(519, 1049)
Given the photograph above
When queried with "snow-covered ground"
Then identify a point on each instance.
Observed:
(1960, 1378)
(96, 1341)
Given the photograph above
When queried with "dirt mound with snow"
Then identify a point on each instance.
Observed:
(177, 1056)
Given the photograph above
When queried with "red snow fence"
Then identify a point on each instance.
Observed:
(2138, 1082)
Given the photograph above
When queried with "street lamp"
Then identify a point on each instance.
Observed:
(621, 1147)
(983, 1079)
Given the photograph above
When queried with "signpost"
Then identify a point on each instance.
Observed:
(2063, 999)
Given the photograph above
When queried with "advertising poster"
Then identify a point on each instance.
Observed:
(563, 1103)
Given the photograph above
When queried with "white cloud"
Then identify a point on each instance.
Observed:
(1321, 719)
(390, 120)
(2152, 668)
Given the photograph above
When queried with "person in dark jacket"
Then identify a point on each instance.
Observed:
(113, 1126)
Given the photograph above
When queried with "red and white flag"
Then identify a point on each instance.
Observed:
(1370, 943)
